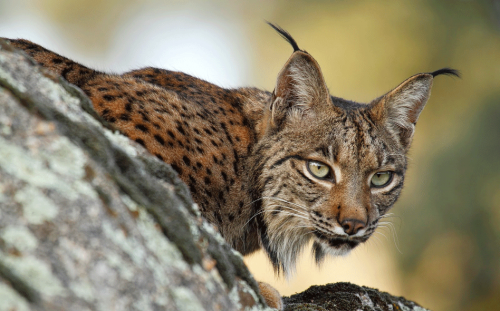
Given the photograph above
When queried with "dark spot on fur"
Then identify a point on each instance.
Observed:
(176, 168)
(142, 127)
(160, 139)
(57, 60)
(219, 218)
(125, 117)
(181, 129)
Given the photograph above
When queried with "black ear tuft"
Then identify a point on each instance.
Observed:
(286, 36)
(447, 72)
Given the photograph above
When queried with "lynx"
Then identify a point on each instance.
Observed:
(271, 170)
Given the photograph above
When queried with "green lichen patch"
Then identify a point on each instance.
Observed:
(114, 260)
(16, 161)
(37, 208)
(143, 303)
(186, 300)
(130, 246)
(65, 158)
(121, 141)
(83, 290)
(6, 76)
(19, 237)
(11, 300)
(39, 170)
(36, 271)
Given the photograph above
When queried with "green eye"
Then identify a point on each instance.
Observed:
(381, 179)
(318, 169)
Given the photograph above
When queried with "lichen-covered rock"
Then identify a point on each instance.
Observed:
(346, 296)
(90, 221)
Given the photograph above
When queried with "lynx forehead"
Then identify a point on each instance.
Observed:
(271, 170)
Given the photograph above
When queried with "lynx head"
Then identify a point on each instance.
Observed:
(328, 169)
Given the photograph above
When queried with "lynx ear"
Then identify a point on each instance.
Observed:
(400, 108)
(300, 87)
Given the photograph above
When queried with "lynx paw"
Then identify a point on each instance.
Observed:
(271, 295)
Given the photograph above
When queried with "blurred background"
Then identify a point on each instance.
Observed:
(443, 250)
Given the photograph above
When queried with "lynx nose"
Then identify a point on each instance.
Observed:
(352, 226)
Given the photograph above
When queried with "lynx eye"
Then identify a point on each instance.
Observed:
(318, 169)
(381, 179)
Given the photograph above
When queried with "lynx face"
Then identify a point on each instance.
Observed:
(329, 178)
(328, 169)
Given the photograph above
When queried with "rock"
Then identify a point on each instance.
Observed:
(90, 221)
(346, 296)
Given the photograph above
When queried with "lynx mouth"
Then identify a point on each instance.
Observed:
(337, 242)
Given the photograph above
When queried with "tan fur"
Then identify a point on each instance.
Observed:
(271, 295)
(244, 153)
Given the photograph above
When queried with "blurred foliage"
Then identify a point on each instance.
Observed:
(449, 212)
(454, 233)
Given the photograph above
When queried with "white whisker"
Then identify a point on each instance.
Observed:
(377, 239)
(378, 232)
(300, 212)
(392, 229)
(289, 213)
(291, 203)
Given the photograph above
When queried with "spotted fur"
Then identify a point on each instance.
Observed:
(244, 152)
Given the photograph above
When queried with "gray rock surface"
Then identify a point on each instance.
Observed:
(90, 221)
